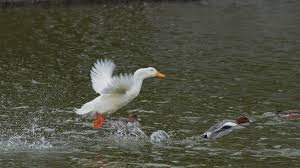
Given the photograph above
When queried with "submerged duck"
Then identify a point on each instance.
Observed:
(115, 91)
(132, 119)
(290, 114)
(127, 127)
(225, 127)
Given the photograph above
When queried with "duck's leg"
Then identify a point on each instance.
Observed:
(98, 122)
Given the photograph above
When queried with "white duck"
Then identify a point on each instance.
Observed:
(116, 91)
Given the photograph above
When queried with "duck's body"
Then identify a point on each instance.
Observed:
(290, 114)
(106, 104)
(116, 91)
(225, 127)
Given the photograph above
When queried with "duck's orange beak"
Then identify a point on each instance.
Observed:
(159, 75)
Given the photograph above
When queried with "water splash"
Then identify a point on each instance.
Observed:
(21, 142)
(132, 131)
(30, 138)
(123, 129)
(159, 136)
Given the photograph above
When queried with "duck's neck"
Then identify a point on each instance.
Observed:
(138, 82)
(136, 88)
(138, 77)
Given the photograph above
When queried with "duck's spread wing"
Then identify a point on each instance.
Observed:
(226, 126)
(119, 84)
(220, 129)
(101, 74)
(218, 126)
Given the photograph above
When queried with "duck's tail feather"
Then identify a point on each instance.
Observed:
(86, 108)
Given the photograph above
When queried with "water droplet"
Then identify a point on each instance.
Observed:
(159, 136)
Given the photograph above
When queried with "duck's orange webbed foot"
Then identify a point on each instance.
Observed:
(98, 122)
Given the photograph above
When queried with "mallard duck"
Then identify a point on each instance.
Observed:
(225, 127)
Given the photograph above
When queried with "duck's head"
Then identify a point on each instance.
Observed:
(150, 72)
(242, 120)
(132, 118)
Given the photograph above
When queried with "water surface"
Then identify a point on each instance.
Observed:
(222, 59)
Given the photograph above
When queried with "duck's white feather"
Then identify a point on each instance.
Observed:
(101, 74)
(86, 108)
(119, 84)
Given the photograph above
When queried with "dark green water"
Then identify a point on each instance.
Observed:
(222, 59)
